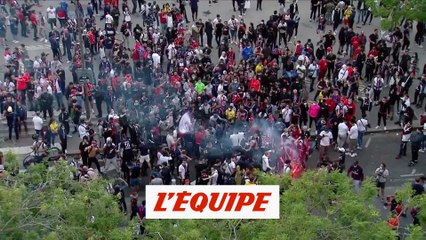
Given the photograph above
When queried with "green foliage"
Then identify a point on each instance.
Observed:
(11, 161)
(392, 12)
(190, 229)
(323, 206)
(48, 204)
(315, 206)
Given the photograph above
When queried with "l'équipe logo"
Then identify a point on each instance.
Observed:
(212, 202)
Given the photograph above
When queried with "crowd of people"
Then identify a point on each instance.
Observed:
(166, 94)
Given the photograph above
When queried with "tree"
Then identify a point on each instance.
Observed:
(392, 12)
(316, 206)
(48, 204)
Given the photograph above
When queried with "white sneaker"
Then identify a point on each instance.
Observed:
(354, 155)
(421, 150)
(377, 127)
(385, 128)
(46, 41)
(420, 46)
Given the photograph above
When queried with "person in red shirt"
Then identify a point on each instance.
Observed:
(298, 50)
(163, 20)
(255, 84)
(323, 65)
(373, 52)
(199, 136)
(350, 104)
(92, 42)
(175, 80)
(34, 23)
(357, 51)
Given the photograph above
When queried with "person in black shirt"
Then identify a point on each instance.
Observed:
(329, 39)
(373, 38)
(208, 28)
(417, 187)
(126, 156)
(84, 154)
(166, 174)
(356, 173)
(218, 32)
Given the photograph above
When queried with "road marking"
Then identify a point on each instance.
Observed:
(17, 150)
(413, 171)
(38, 47)
(368, 142)
(412, 175)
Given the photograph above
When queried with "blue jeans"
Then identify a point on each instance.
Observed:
(60, 100)
(403, 149)
(52, 139)
(360, 139)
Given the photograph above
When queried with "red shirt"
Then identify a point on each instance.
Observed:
(199, 135)
(323, 64)
(298, 50)
(255, 84)
(33, 19)
(163, 17)
(373, 52)
(331, 104)
(174, 79)
(91, 37)
(22, 82)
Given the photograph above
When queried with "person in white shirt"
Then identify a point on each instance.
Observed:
(108, 18)
(156, 59)
(325, 141)
(38, 123)
(169, 21)
(229, 167)
(343, 74)
(266, 167)
(182, 171)
(405, 138)
(214, 176)
(405, 102)
(342, 134)
(378, 84)
(313, 74)
(287, 167)
(353, 137)
(236, 139)
(162, 159)
(51, 16)
(382, 174)
(287, 114)
(362, 125)
(83, 130)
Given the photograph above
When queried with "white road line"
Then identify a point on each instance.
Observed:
(17, 150)
(368, 142)
(412, 175)
(413, 171)
(38, 47)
